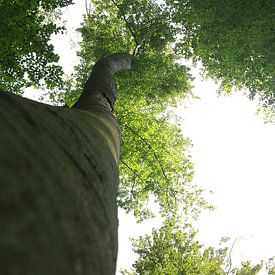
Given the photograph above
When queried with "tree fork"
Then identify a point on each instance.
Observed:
(59, 180)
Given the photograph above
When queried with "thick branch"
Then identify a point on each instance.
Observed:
(101, 81)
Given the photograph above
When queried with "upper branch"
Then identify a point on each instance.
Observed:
(127, 24)
(152, 150)
(102, 81)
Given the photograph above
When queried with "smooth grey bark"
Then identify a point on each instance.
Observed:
(59, 180)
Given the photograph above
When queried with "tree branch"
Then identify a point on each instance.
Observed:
(102, 81)
(152, 150)
(229, 256)
(134, 171)
(88, 8)
(127, 24)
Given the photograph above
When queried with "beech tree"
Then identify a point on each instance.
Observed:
(59, 180)
(59, 166)
(53, 172)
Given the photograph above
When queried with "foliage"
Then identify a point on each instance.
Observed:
(233, 39)
(235, 42)
(159, 35)
(270, 266)
(171, 250)
(155, 161)
(174, 250)
(247, 269)
(27, 57)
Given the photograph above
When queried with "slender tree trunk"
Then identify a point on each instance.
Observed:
(59, 180)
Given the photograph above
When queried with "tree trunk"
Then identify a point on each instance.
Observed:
(59, 180)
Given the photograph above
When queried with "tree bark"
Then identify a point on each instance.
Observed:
(59, 181)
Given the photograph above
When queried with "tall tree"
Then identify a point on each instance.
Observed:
(59, 180)
(155, 159)
(49, 191)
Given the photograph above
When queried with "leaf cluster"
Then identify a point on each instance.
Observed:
(235, 42)
(27, 56)
(173, 249)
(155, 161)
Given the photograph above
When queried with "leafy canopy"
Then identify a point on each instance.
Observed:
(155, 160)
(159, 35)
(27, 57)
(172, 249)
(234, 40)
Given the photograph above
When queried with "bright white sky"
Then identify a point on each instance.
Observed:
(234, 155)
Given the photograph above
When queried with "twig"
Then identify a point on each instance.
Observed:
(88, 9)
(134, 172)
(229, 256)
(150, 147)
(143, 38)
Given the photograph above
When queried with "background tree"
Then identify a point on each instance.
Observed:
(27, 56)
(173, 249)
(234, 40)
